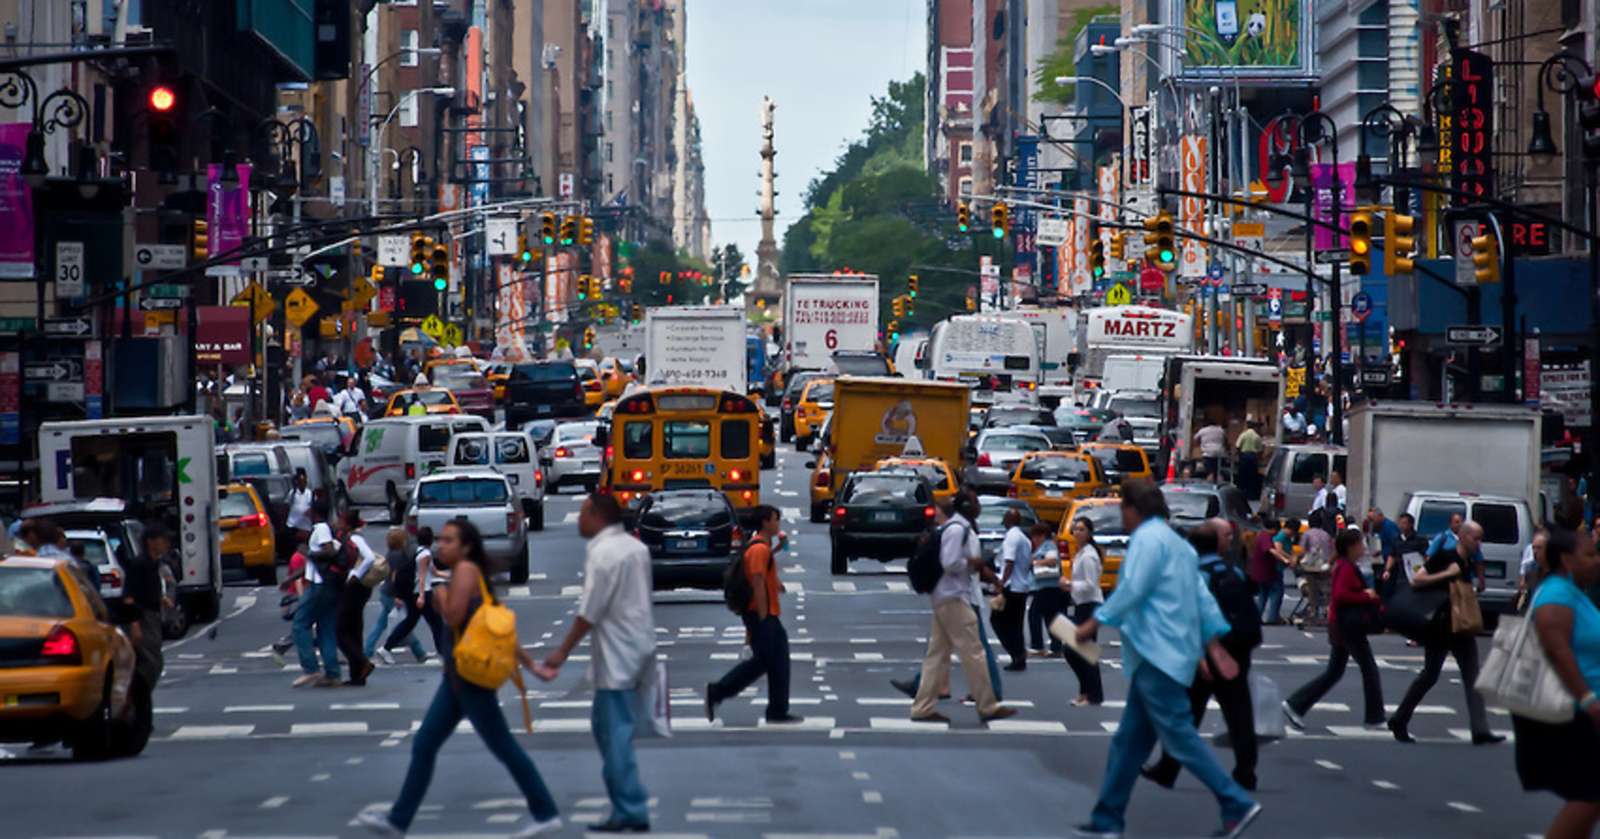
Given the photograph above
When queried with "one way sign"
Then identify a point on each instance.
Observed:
(1473, 336)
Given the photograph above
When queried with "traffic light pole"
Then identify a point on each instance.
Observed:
(1509, 346)
(1335, 323)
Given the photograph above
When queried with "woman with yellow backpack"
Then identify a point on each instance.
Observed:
(480, 653)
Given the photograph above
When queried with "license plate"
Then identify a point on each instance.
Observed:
(513, 479)
(1054, 493)
(591, 464)
(543, 409)
(686, 545)
(885, 516)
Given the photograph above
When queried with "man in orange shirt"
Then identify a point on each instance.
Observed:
(769, 643)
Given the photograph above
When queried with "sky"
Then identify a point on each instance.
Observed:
(820, 61)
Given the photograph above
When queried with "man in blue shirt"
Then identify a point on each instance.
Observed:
(1445, 540)
(1170, 626)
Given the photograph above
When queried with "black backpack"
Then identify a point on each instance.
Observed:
(924, 567)
(1235, 596)
(736, 590)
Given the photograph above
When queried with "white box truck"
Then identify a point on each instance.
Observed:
(824, 314)
(1055, 330)
(1198, 390)
(167, 465)
(695, 345)
(1399, 448)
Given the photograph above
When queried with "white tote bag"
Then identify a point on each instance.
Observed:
(1518, 677)
(652, 706)
(1265, 700)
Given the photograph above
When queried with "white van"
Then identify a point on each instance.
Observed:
(391, 453)
(512, 454)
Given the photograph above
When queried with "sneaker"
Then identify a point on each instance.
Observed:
(614, 826)
(539, 828)
(422, 656)
(388, 657)
(1000, 713)
(1294, 719)
(327, 682)
(309, 679)
(1236, 827)
(904, 686)
(1085, 831)
(377, 821)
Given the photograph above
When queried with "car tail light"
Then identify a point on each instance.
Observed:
(747, 495)
(737, 536)
(983, 460)
(538, 477)
(411, 471)
(787, 405)
(1011, 492)
(61, 646)
(823, 478)
(593, 384)
(611, 452)
(512, 517)
(111, 578)
(838, 513)
(256, 520)
(563, 452)
(637, 475)
(927, 512)
(735, 475)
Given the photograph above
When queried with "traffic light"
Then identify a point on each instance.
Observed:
(569, 230)
(1161, 240)
(588, 337)
(893, 328)
(625, 282)
(1486, 256)
(524, 253)
(161, 105)
(1588, 95)
(1361, 242)
(963, 217)
(999, 220)
(376, 277)
(1097, 256)
(899, 307)
(419, 254)
(664, 278)
(972, 302)
(440, 264)
(1118, 246)
(1399, 243)
(637, 313)
(583, 287)
(585, 231)
(547, 228)
(200, 241)
(595, 288)
(912, 282)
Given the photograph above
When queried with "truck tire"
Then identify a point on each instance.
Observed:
(839, 564)
(819, 513)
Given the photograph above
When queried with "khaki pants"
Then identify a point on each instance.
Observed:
(955, 627)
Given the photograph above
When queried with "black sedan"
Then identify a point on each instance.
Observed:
(879, 515)
(690, 534)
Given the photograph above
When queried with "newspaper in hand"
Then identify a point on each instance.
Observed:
(1066, 632)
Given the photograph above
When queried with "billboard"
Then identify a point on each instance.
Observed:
(1260, 37)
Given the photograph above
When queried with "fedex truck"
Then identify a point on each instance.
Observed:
(1142, 331)
(824, 314)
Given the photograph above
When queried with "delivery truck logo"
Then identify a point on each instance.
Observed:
(899, 423)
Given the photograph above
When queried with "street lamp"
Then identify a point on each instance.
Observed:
(63, 108)
(372, 180)
(1066, 80)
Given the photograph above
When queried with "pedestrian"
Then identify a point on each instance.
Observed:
(433, 575)
(298, 520)
(1439, 639)
(351, 401)
(615, 606)
(1049, 597)
(1212, 441)
(1352, 615)
(1386, 533)
(294, 585)
(460, 549)
(353, 597)
(769, 642)
(80, 558)
(1408, 542)
(1231, 588)
(1087, 566)
(142, 601)
(1171, 627)
(1446, 539)
(955, 623)
(1270, 553)
(1530, 570)
(316, 393)
(1249, 445)
(1561, 757)
(398, 591)
(1016, 582)
(1334, 489)
(1294, 425)
(51, 540)
(319, 604)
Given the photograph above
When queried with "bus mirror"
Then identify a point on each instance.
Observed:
(811, 464)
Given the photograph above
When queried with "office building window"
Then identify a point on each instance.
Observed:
(408, 112)
(965, 153)
(408, 42)
(608, 152)
(964, 186)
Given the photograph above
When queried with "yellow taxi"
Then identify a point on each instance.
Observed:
(1121, 461)
(422, 400)
(497, 375)
(821, 487)
(69, 673)
(816, 402)
(345, 425)
(1051, 481)
(935, 470)
(1105, 516)
(594, 390)
(614, 377)
(245, 529)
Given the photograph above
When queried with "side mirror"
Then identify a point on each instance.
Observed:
(811, 464)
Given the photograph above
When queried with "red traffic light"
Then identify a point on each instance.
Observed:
(162, 98)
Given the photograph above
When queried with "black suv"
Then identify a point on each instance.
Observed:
(879, 515)
(543, 390)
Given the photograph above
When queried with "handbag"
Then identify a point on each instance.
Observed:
(997, 603)
(1465, 616)
(1409, 611)
(1517, 676)
(652, 708)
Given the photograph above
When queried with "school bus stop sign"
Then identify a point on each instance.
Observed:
(298, 308)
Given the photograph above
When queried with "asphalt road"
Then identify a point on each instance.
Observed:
(239, 753)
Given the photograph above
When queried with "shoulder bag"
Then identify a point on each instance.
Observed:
(1465, 616)
(1517, 676)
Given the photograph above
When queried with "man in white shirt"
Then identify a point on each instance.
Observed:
(1016, 581)
(299, 518)
(353, 598)
(318, 608)
(615, 606)
(351, 401)
(955, 623)
(1212, 441)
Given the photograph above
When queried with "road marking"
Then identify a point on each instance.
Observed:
(905, 724)
(791, 512)
(1328, 765)
(869, 656)
(847, 755)
(321, 776)
(322, 728)
(256, 709)
(793, 700)
(219, 670)
(1382, 784)
(1027, 727)
(570, 591)
(570, 518)
(861, 776)
(871, 796)
(584, 703)
(365, 706)
(1462, 806)
(844, 586)
(557, 726)
(275, 802)
(808, 724)
(1356, 732)
(881, 700)
(1466, 734)
(172, 709)
(897, 586)
(203, 732)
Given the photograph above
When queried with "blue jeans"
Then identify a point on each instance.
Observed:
(612, 722)
(988, 657)
(1269, 597)
(1158, 710)
(453, 700)
(384, 608)
(318, 605)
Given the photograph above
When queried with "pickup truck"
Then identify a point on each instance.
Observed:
(485, 498)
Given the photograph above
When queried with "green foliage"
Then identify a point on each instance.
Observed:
(648, 260)
(1060, 62)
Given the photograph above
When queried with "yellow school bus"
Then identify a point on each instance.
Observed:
(671, 437)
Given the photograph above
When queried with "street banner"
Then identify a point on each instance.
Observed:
(16, 207)
(1322, 200)
(1139, 169)
(1110, 182)
(223, 335)
(511, 306)
(1530, 370)
(1082, 277)
(227, 210)
(1192, 211)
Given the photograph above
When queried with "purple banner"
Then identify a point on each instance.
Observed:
(1322, 184)
(227, 210)
(16, 205)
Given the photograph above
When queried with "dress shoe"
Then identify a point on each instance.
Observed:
(1400, 733)
(613, 826)
(1161, 777)
(1487, 739)
(786, 719)
(1000, 713)
(904, 686)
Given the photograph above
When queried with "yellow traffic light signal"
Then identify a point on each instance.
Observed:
(441, 267)
(999, 220)
(912, 283)
(1161, 240)
(585, 231)
(201, 244)
(547, 228)
(963, 217)
(1361, 242)
(1097, 257)
(569, 230)
(595, 288)
(1118, 246)
(972, 302)
(376, 278)
(1486, 256)
(1399, 243)
(899, 307)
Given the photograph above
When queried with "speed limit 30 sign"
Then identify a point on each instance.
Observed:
(69, 269)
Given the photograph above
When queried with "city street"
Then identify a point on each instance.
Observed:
(238, 753)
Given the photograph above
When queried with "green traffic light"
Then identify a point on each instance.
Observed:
(1167, 256)
(998, 233)
(527, 256)
(416, 267)
(1099, 272)
(439, 283)
(964, 227)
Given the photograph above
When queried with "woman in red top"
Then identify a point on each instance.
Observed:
(1352, 614)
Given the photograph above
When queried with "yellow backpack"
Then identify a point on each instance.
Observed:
(486, 650)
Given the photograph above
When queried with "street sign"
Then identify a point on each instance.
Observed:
(1333, 257)
(1052, 231)
(1375, 377)
(298, 308)
(500, 232)
(178, 290)
(11, 326)
(432, 327)
(160, 257)
(79, 327)
(1473, 336)
(361, 293)
(263, 301)
(452, 335)
(69, 269)
(151, 303)
(64, 391)
(255, 263)
(1361, 306)
(393, 250)
(1464, 232)
(291, 276)
(1249, 289)
(52, 371)
(1118, 295)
